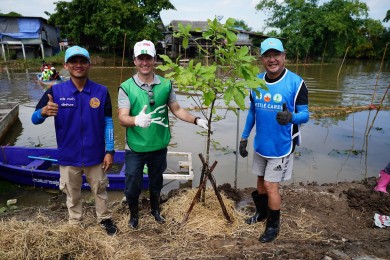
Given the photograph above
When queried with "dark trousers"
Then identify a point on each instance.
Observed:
(157, 164)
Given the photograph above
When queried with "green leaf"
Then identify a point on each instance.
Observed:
(232, 37)
(166, 58)
(230, 22)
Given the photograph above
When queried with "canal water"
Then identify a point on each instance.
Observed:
(333, 148)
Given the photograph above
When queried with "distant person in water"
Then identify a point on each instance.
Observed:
(46, 74)
(54, 74)
(44, 65)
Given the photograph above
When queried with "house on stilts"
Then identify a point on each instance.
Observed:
(27, 37)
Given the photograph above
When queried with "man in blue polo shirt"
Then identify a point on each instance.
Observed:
(82, 113)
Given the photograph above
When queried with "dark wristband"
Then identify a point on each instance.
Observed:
(112, 152)
(196, 120)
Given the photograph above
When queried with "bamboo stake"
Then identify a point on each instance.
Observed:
(352, 146)
(375, 88)
(307, 54)
(198, 193)
(323, 53)
(123, 56)
(345, 55)
(207, 175)
(377, 75)
(372, 123)
(203, 178)
(214, 185)
(219, 197)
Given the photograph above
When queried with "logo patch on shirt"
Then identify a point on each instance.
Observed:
(94, 102)
(267, 97)
(278, 98)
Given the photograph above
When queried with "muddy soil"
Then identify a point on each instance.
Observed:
(329, 221)
(342, 225)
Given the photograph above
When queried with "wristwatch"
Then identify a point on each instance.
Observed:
(112, 152)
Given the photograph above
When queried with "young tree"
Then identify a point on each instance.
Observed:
(229, 78)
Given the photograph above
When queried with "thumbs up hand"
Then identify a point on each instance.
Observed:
(284, 117)
(143, 120)
(51, 109)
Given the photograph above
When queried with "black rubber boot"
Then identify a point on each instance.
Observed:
(155, 207)
(272, 226)
(134, 215)
(261, 203)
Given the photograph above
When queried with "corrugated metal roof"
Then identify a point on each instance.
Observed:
(202, 25)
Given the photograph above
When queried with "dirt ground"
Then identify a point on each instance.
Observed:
(330, 221)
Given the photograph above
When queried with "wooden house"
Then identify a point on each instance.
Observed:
(27, 37)
(173, 46)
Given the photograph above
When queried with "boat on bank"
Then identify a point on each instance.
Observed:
(9, 113)
(38, 167)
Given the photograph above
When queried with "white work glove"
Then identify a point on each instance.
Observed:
(203, 123)
(143, 120)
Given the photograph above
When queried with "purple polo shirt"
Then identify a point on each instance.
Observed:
(80, 125)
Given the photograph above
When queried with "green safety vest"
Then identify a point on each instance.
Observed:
(157, 135)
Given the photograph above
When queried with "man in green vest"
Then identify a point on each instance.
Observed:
(143, 102)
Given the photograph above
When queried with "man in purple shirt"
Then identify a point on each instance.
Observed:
(85, 135)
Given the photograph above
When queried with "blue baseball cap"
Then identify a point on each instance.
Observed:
(271, 43)
(76, 51)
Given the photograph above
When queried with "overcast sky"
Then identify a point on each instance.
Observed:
(195, 10)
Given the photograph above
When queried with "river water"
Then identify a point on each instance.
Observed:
(324, 155)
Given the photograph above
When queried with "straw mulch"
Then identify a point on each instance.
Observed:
(43, 234)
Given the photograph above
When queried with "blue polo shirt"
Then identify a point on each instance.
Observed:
(80, 122)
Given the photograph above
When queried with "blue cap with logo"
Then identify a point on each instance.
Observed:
(271, 43)
(76, 51)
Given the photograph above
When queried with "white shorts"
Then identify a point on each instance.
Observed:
(273, 169)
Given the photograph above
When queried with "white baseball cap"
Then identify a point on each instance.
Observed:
(144, 47)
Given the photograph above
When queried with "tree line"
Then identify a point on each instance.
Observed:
(309, 29)
(313, 30)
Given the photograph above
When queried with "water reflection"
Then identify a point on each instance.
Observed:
(356, 84)
(315, 160)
